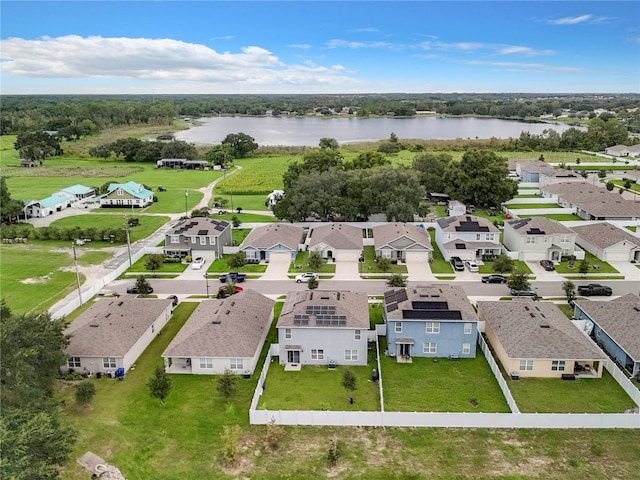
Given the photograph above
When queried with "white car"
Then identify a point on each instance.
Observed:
(198, 263)
(472, 266)
(305, 277)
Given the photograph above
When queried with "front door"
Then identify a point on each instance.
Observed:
(293, 356)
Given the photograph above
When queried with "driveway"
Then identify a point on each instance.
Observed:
(191, 274)
(346, 270)
(278, 267)
(541, 274)
(419, 271)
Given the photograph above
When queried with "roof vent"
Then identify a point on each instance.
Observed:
(216, 322)
(233, 303)
(94, 325)
(324, 298)
(544, 325)
(227, 312)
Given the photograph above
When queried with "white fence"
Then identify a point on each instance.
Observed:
(498, 375)
(624, 382)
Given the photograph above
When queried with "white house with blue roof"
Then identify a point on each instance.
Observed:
(49, 205)
(80, 192)
(130, 194)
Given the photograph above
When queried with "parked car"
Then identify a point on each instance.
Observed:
(494, 279)
(457, 263)
(223, 291)
(233, 276)
(198, 263)
(594, 289)
(305, 277)
(472, 266)
(134, 289)
(523, 293)
(174, 298)
(547, 265)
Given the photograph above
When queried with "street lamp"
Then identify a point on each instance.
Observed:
(186, 208)
(206, 277)
(127, 228)
(75, 261)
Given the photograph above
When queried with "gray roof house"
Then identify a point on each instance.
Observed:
(539, 238)
(264, 240)
(320, 327)
(197, 234)
(113, 333)
(467, 237)
(535, 339)
(402, 241)
(624, 151)
(592, 202)
(339, 241)
(608, 242)
(615, 326)
(222, 334)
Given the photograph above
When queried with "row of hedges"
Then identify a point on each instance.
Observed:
(55, 233)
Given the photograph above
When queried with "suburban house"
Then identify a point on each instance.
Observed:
(80, 192)
(592, 202)
(535, 339)
(273, 197)
(539, 238)
(222, 334)
(467, 237)
(558, 175)
(273, 238)
(529, 170)
(47, 206)
(608, 242)
(113, 333)
(430, 321)
(191, 235)
(339, 241)
(615, 326)
(324, 327)
(402, 241)
(624, 151)
(130, 194)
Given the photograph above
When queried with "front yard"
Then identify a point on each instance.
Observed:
(465, 385)
(222, 266)
(371, 266)
(302, 260)
(595, 266)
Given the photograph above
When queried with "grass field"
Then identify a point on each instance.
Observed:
(516, 206)
(584, 395)
(93, 257)
(148, 223)
(221, 266)
(518, 265)
(173, 201)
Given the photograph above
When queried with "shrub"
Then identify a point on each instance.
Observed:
(275, 434)
(230, 437)
(85, 392)
(335, 451)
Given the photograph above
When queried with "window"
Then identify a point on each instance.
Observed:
(564, 239)
(203, 240)
(433, 327)
(531, 240)
(430, 347)
(236, 364)
(287, 333)
(212, 240)
(477, 236)
(119, 192)
(467, 328)
(489, 237)
(357, 335)
(109, 362)
(193, 239)
(466, 348)
(557, 366)
(175, 239)
(351, 355)
(206, 363)
(317, 354)
(526, 365)
(73, 362)
(398, 327)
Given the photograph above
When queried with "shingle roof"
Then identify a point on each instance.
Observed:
(467, 245)
(337, 235)
(538, 226)
(466, 224)
(441, 299)
(534, 166)
(596, 200)
(604, 234)
(230, 327)
(388, 232)
(619, 318)
(528, 329)
(353, 306)
(267, 236)
(111, 326)
(199, 226)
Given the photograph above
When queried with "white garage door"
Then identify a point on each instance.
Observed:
(617, 256)
(418, 257)
(347, 255)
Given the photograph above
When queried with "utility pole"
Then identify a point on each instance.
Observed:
(75, 261)
(127, 228)
(186, 208)
(206, 277)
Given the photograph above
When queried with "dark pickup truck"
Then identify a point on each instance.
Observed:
(234, 277)
(594, 289)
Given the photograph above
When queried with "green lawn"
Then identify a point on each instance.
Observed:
(166, 267)
(561, 217)
(173, 201)
(633, 229)
(371, 266)
(259, 176)
(301, 259)
(148, 223)
(375, 314)
(635, 188)
(319, 388)
(221, 266)
(439, 265)
(603, 267)
(518, 265)
(465, 385)
(584, 395)
(32, 277)
(516, 206)
(246, 202)
(239, 234)
(245, 217)
(93, 257)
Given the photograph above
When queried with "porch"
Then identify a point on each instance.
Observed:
(177, 365)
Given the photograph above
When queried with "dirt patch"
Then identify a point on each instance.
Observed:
(32, 280)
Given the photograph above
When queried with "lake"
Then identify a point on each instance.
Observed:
(307, 131)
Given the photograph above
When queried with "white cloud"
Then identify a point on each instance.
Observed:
(337, 43)
(365, 30)
(588, 19)
(301, 46)
(154, 59)
(528, 67)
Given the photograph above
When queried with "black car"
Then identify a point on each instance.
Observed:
(457, 263)
(547, 265)
(134, 289)
(494, 279)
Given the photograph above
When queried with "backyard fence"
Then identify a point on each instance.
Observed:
(502, 383)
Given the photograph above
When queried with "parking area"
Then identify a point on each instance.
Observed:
(278, 267)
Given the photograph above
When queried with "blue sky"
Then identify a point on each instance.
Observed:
(319, 47)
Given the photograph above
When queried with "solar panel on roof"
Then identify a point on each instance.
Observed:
(219, 227)
(392, 306)
(432, 314)
(203, 232)
(401, 295)
(426, 305)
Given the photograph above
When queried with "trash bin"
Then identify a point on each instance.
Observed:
(98, 374)
(374, 375)
(514, 376)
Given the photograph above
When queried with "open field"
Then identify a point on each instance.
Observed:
(148, 223)
(465, 385)
(93, 257)
(583, 395)
(173, 201)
